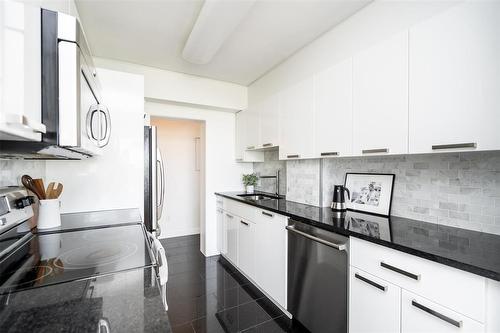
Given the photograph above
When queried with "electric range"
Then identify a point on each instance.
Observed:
(99, 271)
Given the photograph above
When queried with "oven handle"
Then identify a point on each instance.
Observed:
(340, 247)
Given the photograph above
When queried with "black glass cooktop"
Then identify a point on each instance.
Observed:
(52, 258)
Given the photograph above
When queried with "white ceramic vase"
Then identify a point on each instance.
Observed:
(250, 189)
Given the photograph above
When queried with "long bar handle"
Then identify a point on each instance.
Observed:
(400, 271)
(340, 247)
(243, 222)
(455, 146)
(330, 153)
(230, 216)
(250, 147)
(375, 151)
(457, 323)
(267, 145)
(370, 282)
(293, 156)
(267, 214)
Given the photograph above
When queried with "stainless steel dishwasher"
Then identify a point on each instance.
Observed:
(317, 278)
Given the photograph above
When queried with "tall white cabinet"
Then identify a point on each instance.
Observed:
(455, 80)
(297, 121)
(333, 110)
(269, 121)
(20, 72)
(380, 98)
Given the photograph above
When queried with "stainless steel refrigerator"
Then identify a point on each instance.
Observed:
(154, 182)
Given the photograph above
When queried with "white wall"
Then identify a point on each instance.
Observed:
(176, 140)
(115, 179)
(183, 88)
(374, 23)
(222, 173)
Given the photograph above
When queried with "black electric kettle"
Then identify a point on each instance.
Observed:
(338, 202)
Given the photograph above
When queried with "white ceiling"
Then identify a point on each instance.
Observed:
(154, 32)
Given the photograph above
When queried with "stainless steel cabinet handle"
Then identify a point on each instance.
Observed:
(400, 271)
(455, 146)
(375, 151)
(267, 214)
(370, 282)
(267, 145)
(250, 147)
(293, 156)
(243, 222)
(230, 216)
(330, 153)
(457, 323)
(340, 247)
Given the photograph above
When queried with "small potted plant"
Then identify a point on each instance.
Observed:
(250, 181)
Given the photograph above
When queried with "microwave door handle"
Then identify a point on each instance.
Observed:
(104, 139)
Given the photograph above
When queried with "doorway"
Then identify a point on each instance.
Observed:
(182, 145)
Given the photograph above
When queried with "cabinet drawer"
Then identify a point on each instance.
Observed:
(373, 304)
(240, 209)
(461, 291)
(265, 216)
(420, 315)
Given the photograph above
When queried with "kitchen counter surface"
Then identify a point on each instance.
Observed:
(468, 250)
(125, 302)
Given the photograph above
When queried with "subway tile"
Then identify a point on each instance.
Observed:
(459, 215)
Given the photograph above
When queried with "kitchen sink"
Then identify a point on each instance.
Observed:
(259, 196)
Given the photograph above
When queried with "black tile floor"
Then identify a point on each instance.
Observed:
(208, 295)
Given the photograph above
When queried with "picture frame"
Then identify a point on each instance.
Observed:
(370, 192)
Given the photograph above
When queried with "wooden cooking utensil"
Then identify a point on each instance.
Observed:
(30, 185)
(50, 190)
(38, 182)
(57, 191)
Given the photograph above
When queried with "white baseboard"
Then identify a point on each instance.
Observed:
(179, 232)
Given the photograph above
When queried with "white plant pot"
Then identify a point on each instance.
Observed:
(250, 189)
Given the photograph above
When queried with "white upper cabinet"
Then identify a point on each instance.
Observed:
(252, 123)
(380, 98)
(455, 80)
(20, 72)
(269, 121)
(245, 130)
(333, 110)
(297, 121)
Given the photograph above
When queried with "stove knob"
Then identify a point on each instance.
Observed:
(24, 202)
(3, 221)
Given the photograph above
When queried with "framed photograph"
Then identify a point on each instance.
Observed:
(370, 192)
(370, 225)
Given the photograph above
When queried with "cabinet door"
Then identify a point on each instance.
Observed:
(271, 254)
(380, 98)
(374, 304)
(252, 124)
(269, 121)
(297, 121)
(246, 247)
(243, 124)
(20, 72)
(420, 315)
(333, 110)
(231, 227)
(220, 230)
(455, 80)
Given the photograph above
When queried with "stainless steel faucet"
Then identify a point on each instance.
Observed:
(277, 185)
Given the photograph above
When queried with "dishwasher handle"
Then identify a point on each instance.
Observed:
(340, 247)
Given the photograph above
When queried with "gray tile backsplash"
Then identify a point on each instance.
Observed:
(268, 168)
(460, 190)
(457, 189)
(12, 170)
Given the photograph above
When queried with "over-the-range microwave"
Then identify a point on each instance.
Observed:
(77, 122)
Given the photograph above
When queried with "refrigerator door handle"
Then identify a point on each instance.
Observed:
(161, 172)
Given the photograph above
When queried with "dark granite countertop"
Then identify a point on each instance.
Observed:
(468, 250)
(126, 302)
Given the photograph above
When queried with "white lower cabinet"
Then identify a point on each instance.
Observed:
(374, 304)
(271, 255)
(257, 245)
(231, 236)
(246, 247)
(420, 315)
